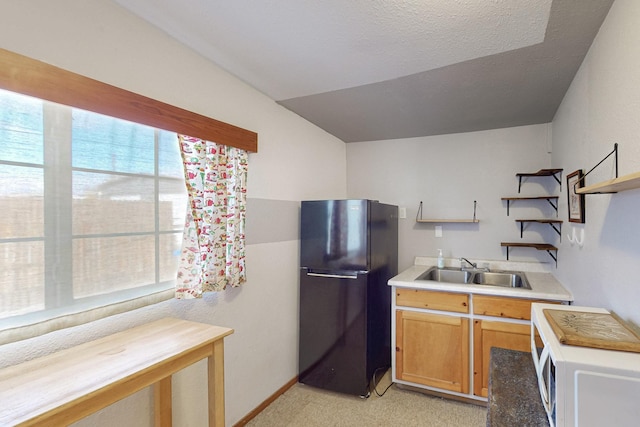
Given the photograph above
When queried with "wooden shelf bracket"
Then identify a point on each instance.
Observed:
(556, 224)
(549, 199)
(551, 250)
(542, 172)
(615, 160)
(420, 219)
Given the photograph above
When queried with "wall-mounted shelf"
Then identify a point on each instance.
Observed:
(549, 199)
(542, 172)
(539, 246)
(627, 182)
(556, 224)
(473, 220)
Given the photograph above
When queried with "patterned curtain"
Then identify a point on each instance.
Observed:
(213, 246)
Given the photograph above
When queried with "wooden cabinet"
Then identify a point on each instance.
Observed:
(498, 333)
(487, 334)
(443, 339)
(433, 350)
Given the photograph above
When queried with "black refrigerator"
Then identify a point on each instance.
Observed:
(348, 252)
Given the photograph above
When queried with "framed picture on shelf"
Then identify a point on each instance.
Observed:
(575, 202)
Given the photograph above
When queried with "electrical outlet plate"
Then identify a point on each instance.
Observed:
(402, 213)
(438, 229)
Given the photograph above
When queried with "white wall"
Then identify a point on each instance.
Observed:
(603, 107)
(448, 173)
(99, 39)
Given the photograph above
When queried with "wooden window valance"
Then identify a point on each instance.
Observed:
(31, 77)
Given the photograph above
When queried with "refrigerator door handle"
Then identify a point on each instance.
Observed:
(335, 276)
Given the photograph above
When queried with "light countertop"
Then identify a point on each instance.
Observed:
(543, 285)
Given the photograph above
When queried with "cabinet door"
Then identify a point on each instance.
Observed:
(487, 334)
(433, 350)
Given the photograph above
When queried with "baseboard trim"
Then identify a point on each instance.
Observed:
(448, 396)
(251, 415)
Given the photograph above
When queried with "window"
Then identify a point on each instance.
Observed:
(92, 209)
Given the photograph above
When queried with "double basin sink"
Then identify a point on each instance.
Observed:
(508, 279)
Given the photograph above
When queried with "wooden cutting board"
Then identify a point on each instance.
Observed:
(598, 330)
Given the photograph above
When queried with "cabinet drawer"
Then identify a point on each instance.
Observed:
(435, 300)
(514, 308)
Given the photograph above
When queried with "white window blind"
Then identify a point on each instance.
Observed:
(92, 210)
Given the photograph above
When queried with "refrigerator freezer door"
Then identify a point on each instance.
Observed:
(334, 235)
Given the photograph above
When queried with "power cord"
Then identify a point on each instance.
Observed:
(375, 389)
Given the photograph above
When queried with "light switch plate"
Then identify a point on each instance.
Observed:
(438, 230)
(402, 213)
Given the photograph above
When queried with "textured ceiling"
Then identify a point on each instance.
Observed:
(385, 69)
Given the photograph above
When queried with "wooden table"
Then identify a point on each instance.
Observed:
(66, 386)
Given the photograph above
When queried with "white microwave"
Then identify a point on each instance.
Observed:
(582, 386)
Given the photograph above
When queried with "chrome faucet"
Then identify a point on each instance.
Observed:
(463, 260)
(473, 265)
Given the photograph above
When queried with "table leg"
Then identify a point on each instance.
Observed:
(216, 385)
(162, 402)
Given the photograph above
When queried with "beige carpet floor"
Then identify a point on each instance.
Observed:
(304, 406)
